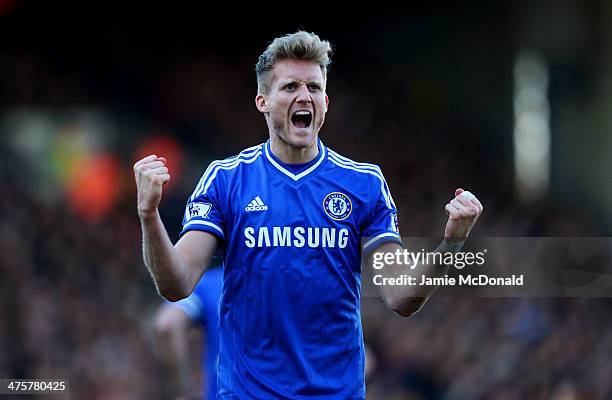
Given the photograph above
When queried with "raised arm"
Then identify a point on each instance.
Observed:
(175, 269)
(463, 212)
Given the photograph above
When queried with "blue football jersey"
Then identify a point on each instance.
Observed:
(290, 325)
(202, 307)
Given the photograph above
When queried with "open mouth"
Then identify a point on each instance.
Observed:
(301, 119)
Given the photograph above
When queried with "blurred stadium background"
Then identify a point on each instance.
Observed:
(509, 99)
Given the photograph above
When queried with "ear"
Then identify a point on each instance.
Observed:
(326, 103)
(261, 103)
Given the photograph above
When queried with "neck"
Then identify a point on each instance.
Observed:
(293, 155)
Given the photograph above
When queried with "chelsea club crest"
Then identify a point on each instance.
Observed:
(337, 205)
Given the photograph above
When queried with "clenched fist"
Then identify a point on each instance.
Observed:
(151, 174)
(463, 212)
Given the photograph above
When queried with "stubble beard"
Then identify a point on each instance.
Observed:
(281, 130)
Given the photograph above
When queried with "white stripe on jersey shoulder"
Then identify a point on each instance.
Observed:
(247, 156)
(382, 235)
(384, 191)
(301, 174)
(206, 223)
(347, 160)
(364, 168)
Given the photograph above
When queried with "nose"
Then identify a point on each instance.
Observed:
(303, 95)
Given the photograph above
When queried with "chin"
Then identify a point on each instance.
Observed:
(301, 140)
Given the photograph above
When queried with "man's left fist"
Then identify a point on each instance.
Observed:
(463, 212)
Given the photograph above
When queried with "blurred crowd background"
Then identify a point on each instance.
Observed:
(429, 94)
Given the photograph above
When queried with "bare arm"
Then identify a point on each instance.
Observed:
(175, 269)
(172, 330)
(405, 300)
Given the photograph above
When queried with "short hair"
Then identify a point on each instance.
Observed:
(300, 45)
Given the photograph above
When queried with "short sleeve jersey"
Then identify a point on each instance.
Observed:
(290, 325)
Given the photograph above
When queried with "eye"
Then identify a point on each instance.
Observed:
(291, 86)
(314, 87)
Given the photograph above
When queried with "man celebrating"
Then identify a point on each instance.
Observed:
(290, 215)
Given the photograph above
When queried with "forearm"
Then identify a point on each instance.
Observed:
(169, 272)
(184, 365)
(180, 354)
(408, 299)
(425, 270)
(175, 342)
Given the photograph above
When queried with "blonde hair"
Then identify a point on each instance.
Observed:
(300, 45)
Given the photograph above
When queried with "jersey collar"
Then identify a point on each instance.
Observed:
(296, 177)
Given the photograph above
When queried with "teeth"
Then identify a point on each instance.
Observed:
(302, 113)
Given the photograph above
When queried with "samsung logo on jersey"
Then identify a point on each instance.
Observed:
(285, 236)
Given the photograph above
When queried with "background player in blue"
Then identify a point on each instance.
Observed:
(290, 215)
(173, 323)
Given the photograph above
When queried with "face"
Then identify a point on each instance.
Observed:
(296, 104)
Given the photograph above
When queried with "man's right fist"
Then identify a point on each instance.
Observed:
(151, 174)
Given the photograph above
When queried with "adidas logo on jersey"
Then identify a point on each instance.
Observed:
(256, 205)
